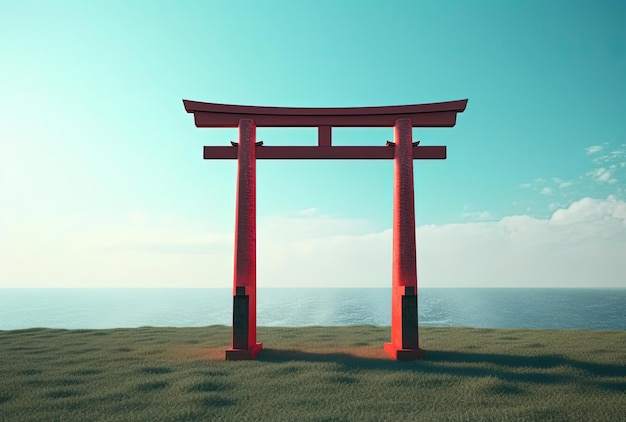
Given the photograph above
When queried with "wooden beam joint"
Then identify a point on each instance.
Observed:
(324, 136)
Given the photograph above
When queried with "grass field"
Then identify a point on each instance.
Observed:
(312, 374)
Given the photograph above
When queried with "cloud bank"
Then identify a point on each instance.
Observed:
(583, 245)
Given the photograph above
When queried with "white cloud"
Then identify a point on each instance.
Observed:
(602, 175)
(482, 215)
(593, 149)
(580, 246)
(589, 210)
(610, 156)
(609, 162)
(307, 226)
(309, 212)
(38, 255)
(478, 215)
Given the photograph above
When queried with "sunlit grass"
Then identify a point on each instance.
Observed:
(312, 373)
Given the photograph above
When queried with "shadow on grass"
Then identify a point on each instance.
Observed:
(152, 386)
(155, 370)
(533, 369)
(4, 397)
(534, 362)
(217, 401)
(209, 386)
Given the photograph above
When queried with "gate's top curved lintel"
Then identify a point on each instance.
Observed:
(197, 106)
(422, 115)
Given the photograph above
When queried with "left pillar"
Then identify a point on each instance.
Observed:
(244, 345)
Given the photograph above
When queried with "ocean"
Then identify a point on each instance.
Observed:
(595, 309)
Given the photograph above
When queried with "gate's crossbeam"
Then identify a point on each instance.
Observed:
(324, 152)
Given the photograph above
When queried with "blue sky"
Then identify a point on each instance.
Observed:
(102, 181)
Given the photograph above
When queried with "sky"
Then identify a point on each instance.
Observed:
(103, 184)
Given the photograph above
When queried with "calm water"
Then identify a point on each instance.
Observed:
(598, 309)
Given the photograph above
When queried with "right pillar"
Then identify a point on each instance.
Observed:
(404, 343)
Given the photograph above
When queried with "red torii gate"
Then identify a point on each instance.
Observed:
(404, 330)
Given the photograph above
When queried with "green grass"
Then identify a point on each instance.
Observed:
(312, 374)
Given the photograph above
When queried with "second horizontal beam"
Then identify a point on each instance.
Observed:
(325, 152)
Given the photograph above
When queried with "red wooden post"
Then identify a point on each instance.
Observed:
(404, 336)
(244, 345)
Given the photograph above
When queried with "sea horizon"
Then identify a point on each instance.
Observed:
(321, 288)
(101, 308)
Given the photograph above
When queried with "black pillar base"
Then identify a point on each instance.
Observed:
(241, 312)
(409, 319)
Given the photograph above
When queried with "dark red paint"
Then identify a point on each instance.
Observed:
(325, 152)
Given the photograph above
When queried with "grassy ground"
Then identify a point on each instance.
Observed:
(312, 374)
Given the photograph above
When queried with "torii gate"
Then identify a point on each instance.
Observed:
(404, 330)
